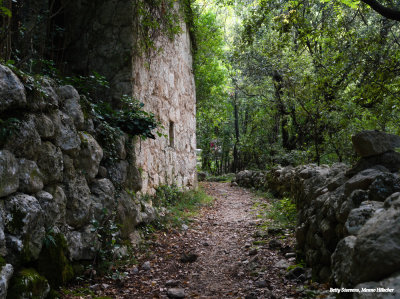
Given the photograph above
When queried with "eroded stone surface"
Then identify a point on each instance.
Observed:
(44, 125)
(9, 180)
(89, 156)
(30, 177)
(25, 142)
(103, 197)
(358, 217)
(82, 244)
(66, 136)
(371, 143)
(70, 104)
(342, 261)
(5, 277)
(79, 206)
(377, 246)
(12, 91)
(24, 219)
(50, 162)
(44, 98)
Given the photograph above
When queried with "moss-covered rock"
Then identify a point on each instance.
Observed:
(27, 283)
(52, 263)
(24, 222)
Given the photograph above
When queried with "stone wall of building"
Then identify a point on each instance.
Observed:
(104, 39)
(164, 82)
(57, 177)
(100, 38)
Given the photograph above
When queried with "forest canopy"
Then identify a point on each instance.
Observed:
(290, 82)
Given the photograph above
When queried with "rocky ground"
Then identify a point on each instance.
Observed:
(223, 254)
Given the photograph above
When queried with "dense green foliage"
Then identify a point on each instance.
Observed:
(296, 80)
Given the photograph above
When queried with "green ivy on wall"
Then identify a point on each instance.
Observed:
(159, 17)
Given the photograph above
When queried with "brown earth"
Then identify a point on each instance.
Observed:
(228, 264)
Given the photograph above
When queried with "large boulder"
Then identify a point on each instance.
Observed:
(44, 125)
(377, 253)
(24, 219)
(383, 186)
(12, 91)
(358, 217)
(27, 283)
(55, 208)
(30, 177)
(82, 244)
(118, 172)
(389, 161)
(66, 137)
(342, 261)
(9, 180)
(50, 162)
(361, 180)
(389, 288)
(44, 98)
(372, 143)
(79, 205)
(52, 206)
(103, 198)
(70, 104)
(6, 273)
(89, 156)
(25, 141)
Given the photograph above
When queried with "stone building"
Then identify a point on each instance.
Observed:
(57, 178)
(167, 89)
(104, 39)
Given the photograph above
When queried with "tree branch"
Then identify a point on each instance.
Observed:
(390, 13)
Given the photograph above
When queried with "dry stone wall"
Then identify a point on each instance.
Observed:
(56, 178)
(348, 219)
(56, 182)
(164, 82)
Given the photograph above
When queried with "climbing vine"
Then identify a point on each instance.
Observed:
(159, 17)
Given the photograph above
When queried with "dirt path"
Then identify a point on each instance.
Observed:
(228, 264)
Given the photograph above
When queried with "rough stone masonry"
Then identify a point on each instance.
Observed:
(161, 78)
(54, 182)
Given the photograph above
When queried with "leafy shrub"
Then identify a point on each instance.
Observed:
(167, 195)
(283, 211)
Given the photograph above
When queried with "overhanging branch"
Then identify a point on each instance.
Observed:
(390, 13)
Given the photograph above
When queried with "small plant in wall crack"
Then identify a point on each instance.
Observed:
(108, 240)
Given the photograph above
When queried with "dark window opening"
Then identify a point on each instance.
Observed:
(171, 134)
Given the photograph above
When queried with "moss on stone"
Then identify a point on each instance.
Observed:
(84, 139)
(53, 263)
(2, 262)
(78, 269)
(27, 283)
(17, 220)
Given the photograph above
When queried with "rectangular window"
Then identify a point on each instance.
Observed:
(171, 134)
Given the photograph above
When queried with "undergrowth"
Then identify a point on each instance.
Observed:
(180, 206)
(225, 178)
(281, 213)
